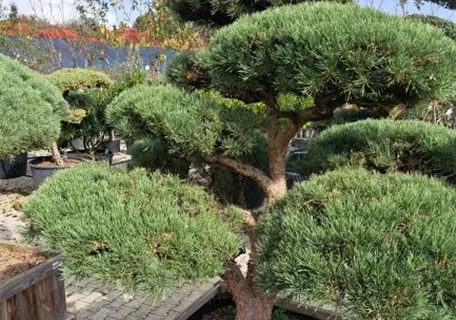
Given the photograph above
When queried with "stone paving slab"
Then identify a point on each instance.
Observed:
(88, 300)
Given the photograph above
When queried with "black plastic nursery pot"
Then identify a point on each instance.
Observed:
(14, 168)
(112, 146)
(41, 172)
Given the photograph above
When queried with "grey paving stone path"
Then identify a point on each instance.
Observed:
(87, 300)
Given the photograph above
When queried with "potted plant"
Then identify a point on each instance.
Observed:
(71, 83)
(43, 167)
(91, 91)
(13, 168)
(84, 89)
(31, 110)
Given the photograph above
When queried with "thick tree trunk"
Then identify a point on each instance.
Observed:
(276, 189)
(254, 308)
(277, 172)
(278, 139)
(56, 155)
(251, 304)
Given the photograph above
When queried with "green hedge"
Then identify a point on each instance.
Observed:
(147, 232)
(31, 109)
(376, 246)
(384, 146)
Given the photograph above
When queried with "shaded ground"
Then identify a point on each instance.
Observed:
(224, 309)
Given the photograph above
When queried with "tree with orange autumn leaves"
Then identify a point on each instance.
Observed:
(32, 40)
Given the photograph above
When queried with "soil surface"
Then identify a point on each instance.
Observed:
(11, 217)
(13, 262)
(67, 162)
(224, 309)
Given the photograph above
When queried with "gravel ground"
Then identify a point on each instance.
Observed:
(12, 220)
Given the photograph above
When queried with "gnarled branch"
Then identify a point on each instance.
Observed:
(246, 170)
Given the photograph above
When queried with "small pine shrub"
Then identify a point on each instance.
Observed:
(147, 232)
(31, 109)
(93, 102)
(74, 79)
(384, 146)
(374, 246)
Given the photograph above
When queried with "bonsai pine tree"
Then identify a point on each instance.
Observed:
(31, 109)
(84, 90)
(68, 80)
(314, 69)
(283, 68)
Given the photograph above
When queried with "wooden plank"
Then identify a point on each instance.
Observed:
(4, 310)
(58, 298)
(29, 277)
(204, 298)
(44, 300)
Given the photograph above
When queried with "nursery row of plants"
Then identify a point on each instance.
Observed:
(78, 128)
(369, 232)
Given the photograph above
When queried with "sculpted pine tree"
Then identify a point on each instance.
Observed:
(281, 68)
(302, 69)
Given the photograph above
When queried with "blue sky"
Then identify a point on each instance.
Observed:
(59, 11)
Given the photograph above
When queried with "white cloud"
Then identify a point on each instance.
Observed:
(57, 11)
(54, 11)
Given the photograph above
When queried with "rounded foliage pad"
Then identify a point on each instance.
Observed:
(447, 26)
(75, 79)
(222, 12)
(384, 146)
(377, 246)
(330, 51)
(191, 122)
(143, 232)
